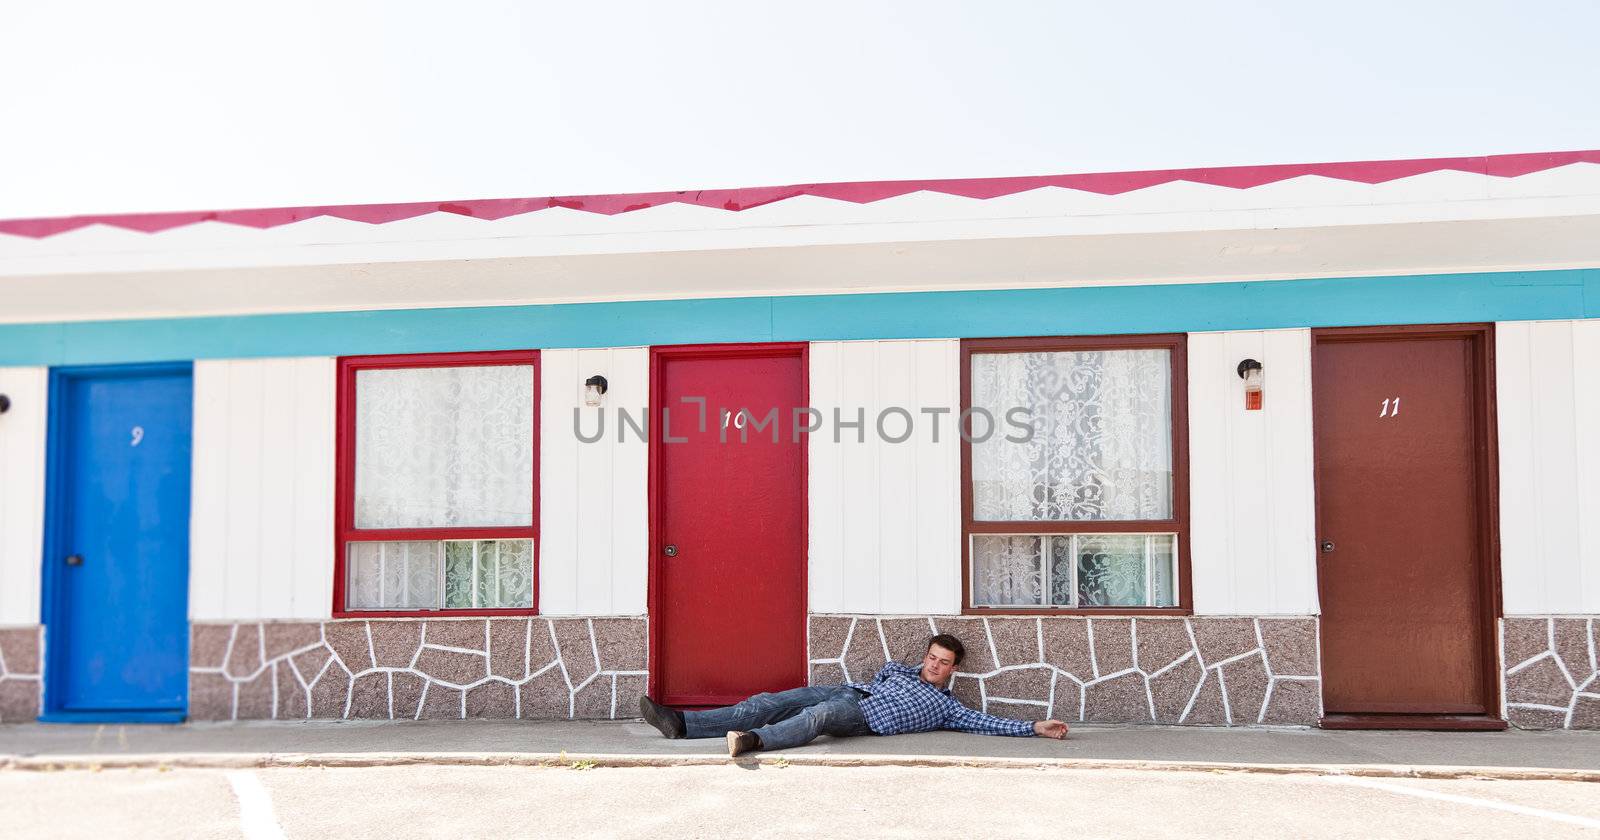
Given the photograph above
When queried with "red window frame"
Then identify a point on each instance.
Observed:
(1177, 344)
(345, 531)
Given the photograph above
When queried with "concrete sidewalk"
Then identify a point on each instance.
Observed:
(1511, 754)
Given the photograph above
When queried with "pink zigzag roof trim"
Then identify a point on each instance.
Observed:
(861, 192)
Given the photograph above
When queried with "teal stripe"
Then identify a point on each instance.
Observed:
(1441, 298)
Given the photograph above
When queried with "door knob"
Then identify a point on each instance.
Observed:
(1327, 546)
(75, 560)
(670, 551)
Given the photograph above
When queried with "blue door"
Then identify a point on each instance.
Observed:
(116, 564)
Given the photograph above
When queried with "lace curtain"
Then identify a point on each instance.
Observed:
(444, 447)
(439, 574)
(1079, 570)
(1102, 436)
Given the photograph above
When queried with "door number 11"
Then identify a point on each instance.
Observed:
(1388, 410)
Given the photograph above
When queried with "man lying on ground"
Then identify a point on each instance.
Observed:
(900, 699)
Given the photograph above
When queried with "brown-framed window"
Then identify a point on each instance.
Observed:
(1074, 470)
(436, 511)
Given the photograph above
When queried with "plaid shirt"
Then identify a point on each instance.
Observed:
(901, 701)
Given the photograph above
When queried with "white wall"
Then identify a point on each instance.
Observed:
(261, 532)
(593, 500)
(1548, 401)
(22, 450)
(1251, 501)
(885, 524)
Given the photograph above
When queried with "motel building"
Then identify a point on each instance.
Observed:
(1299, 445)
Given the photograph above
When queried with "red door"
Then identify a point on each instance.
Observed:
(1403, 516)
(728, 471)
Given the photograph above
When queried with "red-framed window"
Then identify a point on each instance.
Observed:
(437, 504)
(1074, 470)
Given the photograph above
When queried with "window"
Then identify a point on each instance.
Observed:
(437, 509)
(1075, 473)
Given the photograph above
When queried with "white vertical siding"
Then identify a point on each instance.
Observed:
(22, 450)
(1547, 382)
(261, 533)
(885, 518)
(593, 510)
(1251, 501)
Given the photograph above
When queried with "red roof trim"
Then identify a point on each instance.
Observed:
(862, 192)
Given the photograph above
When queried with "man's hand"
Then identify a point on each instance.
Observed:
(1050, 729)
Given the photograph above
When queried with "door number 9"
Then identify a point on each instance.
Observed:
(138, 435)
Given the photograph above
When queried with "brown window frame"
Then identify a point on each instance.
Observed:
(1177, 344)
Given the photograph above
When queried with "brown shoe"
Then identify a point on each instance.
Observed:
(742, 742)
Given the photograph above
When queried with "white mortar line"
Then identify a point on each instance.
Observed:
(261, 642)
(1262, 645)
(1122, 673)
(516, 698)
(883, 640)
(1572, 683)
(849, 633)
(983, 694)
(1170, 665)
(1133, 648)
(1040, 703)
(594, 646)
(994, 654)
(1589, 634)
(1038, 627)
(613, 696)
(1266, 701)
(1051, 710)
(422, 641)
(1150, 697)
(256, 819)
(1518, 667)
(227, 652)
(1422, 793)
(457, 650)
(234, 714)
(274, 690)
(1540, 706)
(1240, 656)
(560, 660)
(390, 677)
(1222, 686)
(422, 700)
(1094, 661)
(1193, 695)
(1194, 644)
(540, 671)
(527, 653)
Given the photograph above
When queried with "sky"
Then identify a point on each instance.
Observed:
(142, 107)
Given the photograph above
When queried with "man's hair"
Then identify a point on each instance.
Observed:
(950, 643)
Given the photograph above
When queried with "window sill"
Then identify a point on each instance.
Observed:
(1103, 612)
(512, 613)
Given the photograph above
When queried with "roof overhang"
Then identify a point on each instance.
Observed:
(1507, 213)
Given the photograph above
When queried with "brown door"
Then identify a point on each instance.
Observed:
(1402, 470)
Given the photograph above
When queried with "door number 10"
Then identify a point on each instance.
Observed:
(1390, 410)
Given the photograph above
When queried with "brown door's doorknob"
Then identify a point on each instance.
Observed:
(1327, 546)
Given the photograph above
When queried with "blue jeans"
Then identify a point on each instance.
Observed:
(785, 719)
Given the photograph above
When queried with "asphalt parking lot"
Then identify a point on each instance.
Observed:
(773, 800)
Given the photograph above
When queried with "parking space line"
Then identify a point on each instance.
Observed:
(1423, 793)
(255, 807)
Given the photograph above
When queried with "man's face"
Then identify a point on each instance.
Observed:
(938, 665)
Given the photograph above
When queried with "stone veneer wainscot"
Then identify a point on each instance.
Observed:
(1552, 676)
(404, 669)
(1239, 671)
(21, 664)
